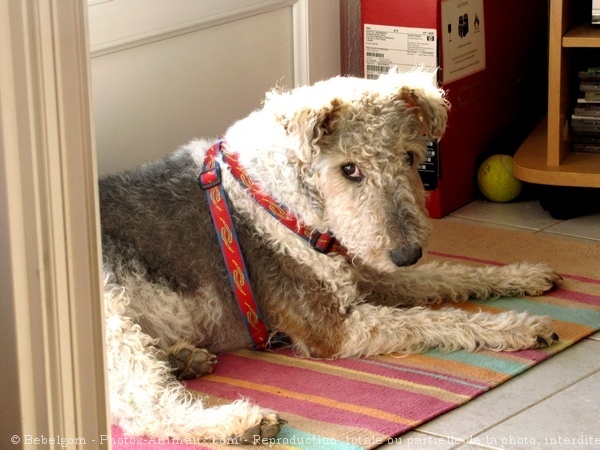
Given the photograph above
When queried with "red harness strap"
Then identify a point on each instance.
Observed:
(210, 181)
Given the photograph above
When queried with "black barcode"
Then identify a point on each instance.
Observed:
(376, 55)
(378, 69)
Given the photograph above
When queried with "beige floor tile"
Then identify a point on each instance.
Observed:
(567, 420)
(528, 214)
(587, 227)
(519, 393)
(422, 441)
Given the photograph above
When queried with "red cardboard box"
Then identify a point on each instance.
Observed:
(493, 59)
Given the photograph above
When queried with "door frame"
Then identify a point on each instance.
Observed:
(51, 322)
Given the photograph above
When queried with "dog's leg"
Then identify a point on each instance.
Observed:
(146, 399)
(434, 283)
(374, 330)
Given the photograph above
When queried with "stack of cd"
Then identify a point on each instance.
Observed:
(585, 121)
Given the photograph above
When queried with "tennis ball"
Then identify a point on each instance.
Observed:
(496, 179)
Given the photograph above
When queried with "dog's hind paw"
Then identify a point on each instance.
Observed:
(188, 362)
(267, 429)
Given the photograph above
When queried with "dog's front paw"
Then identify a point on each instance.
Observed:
(267, 429)
(521, 331)
(545, 342)
(535, 279)
(543, 280)
(188, 362)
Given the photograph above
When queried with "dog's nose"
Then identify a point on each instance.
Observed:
(406, 256)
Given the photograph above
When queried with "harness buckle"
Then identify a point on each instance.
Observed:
(210, 178)
(321, 242)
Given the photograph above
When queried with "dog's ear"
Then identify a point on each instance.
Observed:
(329, 118)
(313, 124)
(429, 106)
(310, 126)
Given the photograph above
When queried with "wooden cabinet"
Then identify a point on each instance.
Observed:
(546, 157)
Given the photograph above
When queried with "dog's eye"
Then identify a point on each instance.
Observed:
(409, 158)
(352, 172)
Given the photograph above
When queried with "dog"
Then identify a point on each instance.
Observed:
(328, 214)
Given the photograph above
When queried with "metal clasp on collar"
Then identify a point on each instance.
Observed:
(321, 245)
(210, 178)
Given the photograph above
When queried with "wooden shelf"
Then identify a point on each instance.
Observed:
(586, 35)
(546, 157)
(577, 169)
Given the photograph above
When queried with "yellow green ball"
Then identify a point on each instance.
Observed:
(496, 179)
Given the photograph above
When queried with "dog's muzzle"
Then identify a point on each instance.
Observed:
(406, 256)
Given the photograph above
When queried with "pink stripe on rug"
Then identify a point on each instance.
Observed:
(437, 380)
(579, 278)
(574, 296)
(465, 258)
(532, 357)
(363, 394)
(342, 415)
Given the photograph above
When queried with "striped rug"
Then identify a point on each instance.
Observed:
(361, 403)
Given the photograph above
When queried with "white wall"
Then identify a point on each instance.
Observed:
(167, 76)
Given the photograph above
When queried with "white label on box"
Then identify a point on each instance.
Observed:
(406, 48)
(463, 38)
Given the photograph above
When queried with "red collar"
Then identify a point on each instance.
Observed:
(210, 181)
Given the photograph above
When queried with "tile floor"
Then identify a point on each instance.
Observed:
(555, 405)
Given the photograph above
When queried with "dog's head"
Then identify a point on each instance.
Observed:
(355, 146)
